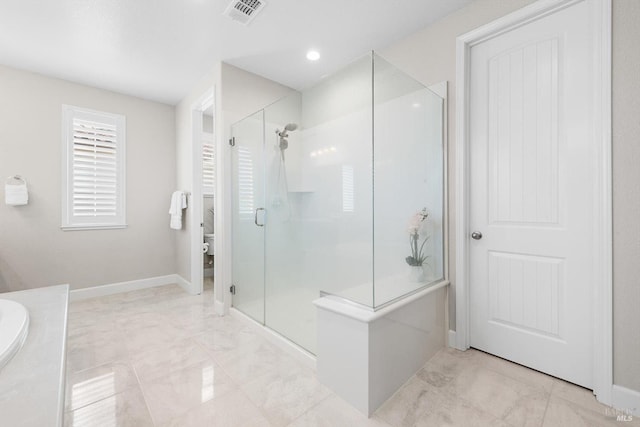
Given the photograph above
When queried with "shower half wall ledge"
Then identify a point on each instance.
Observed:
(364, 356)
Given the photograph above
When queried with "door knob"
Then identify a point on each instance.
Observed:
(476, 235)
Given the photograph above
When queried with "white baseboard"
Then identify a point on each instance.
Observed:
(276, 339)
(116, 288)
(452, 339)
(184, 284)
(627, 401)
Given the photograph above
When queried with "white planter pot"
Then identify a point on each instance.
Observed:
(416, 274)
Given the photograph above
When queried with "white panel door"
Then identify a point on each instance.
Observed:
(532, 154)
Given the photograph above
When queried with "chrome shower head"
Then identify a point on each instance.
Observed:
(283, 135)
(289, 127)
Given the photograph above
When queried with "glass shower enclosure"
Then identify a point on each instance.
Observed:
(339, 190)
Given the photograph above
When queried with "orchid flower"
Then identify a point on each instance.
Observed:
(415, 226)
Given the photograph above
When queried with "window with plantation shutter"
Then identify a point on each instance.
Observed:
(208, 164)
(93, 184)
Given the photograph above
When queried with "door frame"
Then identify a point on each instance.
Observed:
(602, 254)
(204, 102)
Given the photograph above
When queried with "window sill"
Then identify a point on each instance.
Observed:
(92, 227)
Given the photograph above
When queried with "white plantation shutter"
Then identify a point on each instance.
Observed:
(95, 169)
(245, 183)
(208, 164)
(94, 144)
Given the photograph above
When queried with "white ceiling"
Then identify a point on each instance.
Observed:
(157, 49)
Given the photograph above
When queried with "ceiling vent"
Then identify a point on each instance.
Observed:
(244, 11)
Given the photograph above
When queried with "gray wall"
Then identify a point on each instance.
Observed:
(34, 251)
(429, 56)
(626, 193)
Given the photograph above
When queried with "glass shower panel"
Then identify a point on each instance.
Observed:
(335, 213)
(248, 197)
(408, 184)
(337, 189)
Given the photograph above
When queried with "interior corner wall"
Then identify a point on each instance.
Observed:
(429, 56)
(244, 93)
(34, 251)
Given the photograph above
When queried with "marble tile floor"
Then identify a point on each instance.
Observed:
(159, 357)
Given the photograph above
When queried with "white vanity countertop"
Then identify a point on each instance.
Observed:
(32, 383)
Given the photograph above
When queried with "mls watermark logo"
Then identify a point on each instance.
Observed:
(623, 415)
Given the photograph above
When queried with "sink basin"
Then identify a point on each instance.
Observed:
(14, 327)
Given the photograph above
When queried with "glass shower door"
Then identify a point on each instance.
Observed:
(248, 215)
(289, 308)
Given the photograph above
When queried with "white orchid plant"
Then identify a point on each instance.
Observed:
(416, 224)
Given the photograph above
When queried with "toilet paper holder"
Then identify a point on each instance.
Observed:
(18, 178)
(15, 191)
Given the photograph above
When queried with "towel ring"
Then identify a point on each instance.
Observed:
(16, 178)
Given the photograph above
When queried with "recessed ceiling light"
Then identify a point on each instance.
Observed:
(313, 55)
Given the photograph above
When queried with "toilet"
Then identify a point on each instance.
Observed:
(210, 239)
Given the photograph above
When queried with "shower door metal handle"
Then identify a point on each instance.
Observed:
(255, 217)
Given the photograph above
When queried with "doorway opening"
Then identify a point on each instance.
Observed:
(203, 194)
